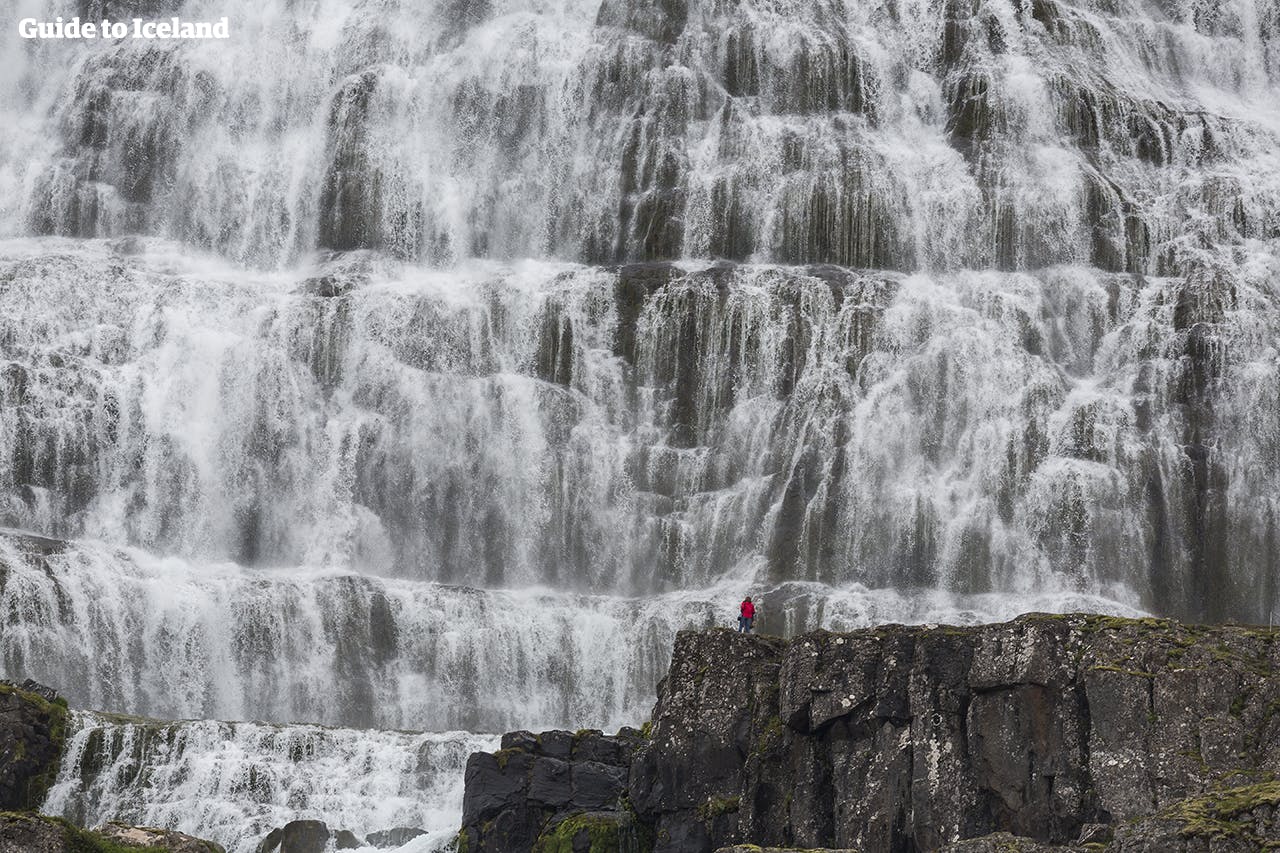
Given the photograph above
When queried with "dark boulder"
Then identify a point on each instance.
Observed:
(394, 837)
(298, 836)
(345, 839)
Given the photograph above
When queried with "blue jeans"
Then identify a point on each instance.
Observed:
(744, 625)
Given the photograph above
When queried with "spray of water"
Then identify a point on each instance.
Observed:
(435, 376)
(232, 783)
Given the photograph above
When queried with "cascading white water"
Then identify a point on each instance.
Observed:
(492, 425)
(232, 783)
(428, 365)
(173, 639)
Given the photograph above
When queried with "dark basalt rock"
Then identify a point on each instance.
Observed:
(394, 837)
(636, 283)
(1045, 733)
(345, 839)
(41, 546)
(554, 788)
(33, 723)
(298, 836)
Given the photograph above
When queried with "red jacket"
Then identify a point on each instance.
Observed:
(748, 610)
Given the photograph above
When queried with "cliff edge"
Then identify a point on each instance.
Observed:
(1092, 732)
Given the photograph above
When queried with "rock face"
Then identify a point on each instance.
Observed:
(32, 833)
(32, 728)
(557, 791)
(1058, 730)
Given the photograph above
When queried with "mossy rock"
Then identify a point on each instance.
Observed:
(595, 832)
(1225, 814)
(38, 833)
(31, 746)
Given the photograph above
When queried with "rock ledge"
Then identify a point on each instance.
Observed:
(1071, 732)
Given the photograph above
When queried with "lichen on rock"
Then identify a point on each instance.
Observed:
(1051, 732)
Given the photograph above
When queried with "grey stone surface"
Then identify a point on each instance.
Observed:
(1055, 731)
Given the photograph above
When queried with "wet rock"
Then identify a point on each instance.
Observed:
(298, 836)
(32, 543)
(32, 732)
(394, 837)
(636, 283)
(345, 839)
(327, 286)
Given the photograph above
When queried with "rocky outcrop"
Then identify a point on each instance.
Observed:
(556, 791)
(28, 832)
(1057, 731)
(33, 721)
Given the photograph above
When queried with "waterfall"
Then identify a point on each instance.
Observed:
(404, 365)
(647, 429)
(232, 783)
(171, 639)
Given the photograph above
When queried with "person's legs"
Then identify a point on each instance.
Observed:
(749, 621)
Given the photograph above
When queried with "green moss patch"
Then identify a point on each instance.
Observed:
(717, 806)
(504, 755)
(602, 831)
(1221, 814)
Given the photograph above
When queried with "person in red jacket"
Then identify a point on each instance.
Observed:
(746, 614)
